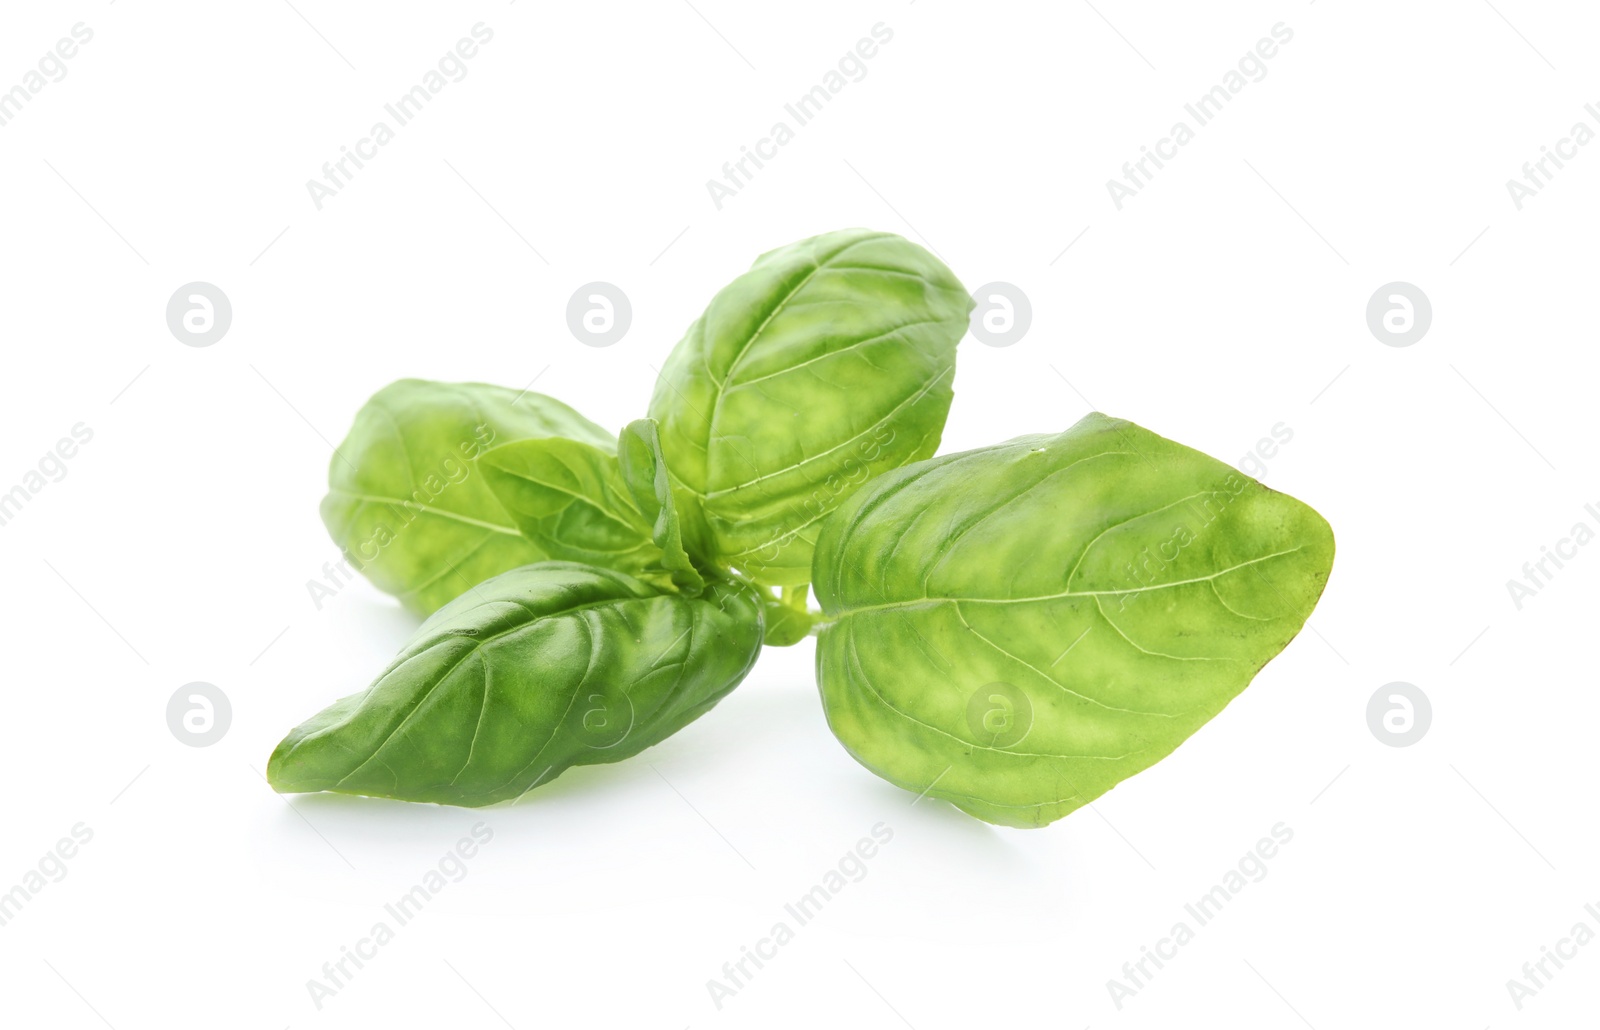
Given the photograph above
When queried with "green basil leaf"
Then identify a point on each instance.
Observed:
(406, 505)
(788, 619)
(537, 670)
(828, 363)
(1019, 628)
(571, 501)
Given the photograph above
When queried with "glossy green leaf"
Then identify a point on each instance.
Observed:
(571, 501)
(537, 670)
(828, 363)
(645, 472)
(1019, 628)
(405, 503)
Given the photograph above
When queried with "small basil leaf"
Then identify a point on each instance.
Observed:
(828, 363)
(537, 670)
(788, 619)
(406, 505)
(645, 472)
(1017, 629)
(571, 501)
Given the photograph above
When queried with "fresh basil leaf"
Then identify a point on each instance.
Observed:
(1019, 628)
(788, 619)
(571, 501)
(537, 670)
(645, 472)
(405, 503)
(828, 363)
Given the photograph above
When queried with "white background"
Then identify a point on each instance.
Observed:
(1225, 298)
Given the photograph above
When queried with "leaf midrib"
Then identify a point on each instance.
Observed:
(426, 509)
(925, 602)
